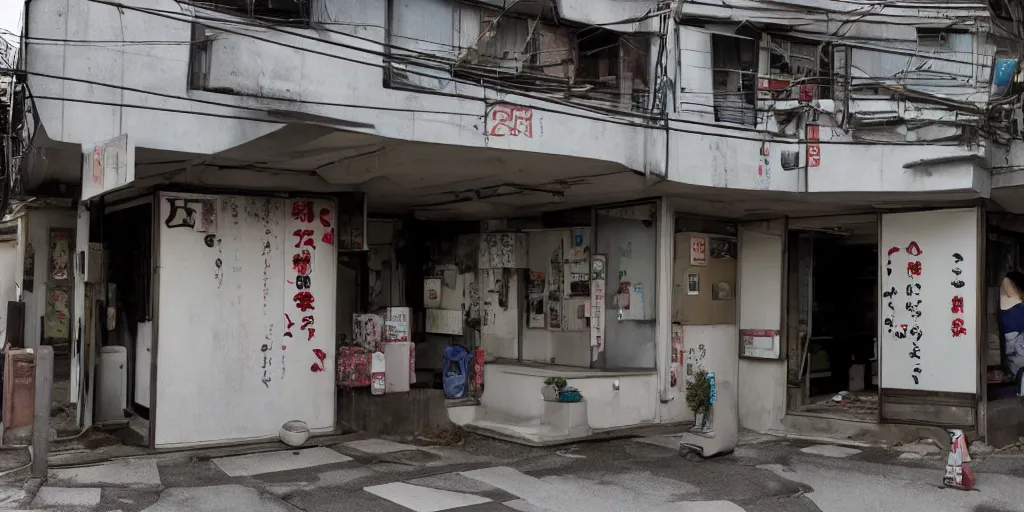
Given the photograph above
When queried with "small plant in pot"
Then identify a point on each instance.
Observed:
(698, 398)
(552, 387)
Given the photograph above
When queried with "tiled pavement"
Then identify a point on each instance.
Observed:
(364, 475)
(483, 475)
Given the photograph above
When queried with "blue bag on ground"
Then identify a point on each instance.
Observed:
(455, 376)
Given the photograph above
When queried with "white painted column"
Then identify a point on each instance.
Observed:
(666, 226)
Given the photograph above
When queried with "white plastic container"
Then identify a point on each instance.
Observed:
(396, 357)
(378, 383)
(112, 382)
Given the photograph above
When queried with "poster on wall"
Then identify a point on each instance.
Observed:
(579, 246)
(28, 278)
(57, 316)
(597, 298)
(929, 292)
(579, 278)
(536, 299)
(502, 250)
(578, 262)
(554, 287)
(722, 248)
(698, 250)
(60, 254)
(350, 229)
(107, 166)
(432, 292)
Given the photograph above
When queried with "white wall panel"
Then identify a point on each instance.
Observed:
(944, 360)
(762, 383)
(230, 364)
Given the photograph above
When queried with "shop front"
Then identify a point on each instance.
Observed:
(1002, 350)
(883, 324)
(571, 295)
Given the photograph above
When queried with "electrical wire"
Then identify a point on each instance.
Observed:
(233, 105)
(446, 69)
(569, 104)
(387, 67)
(493, 84)
(778, 139)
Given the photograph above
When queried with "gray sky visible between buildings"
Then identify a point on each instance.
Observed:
(10, 18)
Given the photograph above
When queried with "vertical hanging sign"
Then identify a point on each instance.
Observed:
(597, 298)
(813, 147)
(309, 225)
(698, 250)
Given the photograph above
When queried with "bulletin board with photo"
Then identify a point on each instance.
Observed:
(705, 279)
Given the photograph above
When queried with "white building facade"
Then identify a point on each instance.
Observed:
(743, 170)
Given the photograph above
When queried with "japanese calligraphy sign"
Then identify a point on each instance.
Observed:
(813, 146)
(510, 121)
(928, 300)
(309, 231)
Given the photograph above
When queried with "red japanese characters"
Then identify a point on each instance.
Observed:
(957, 326)
(310, 223)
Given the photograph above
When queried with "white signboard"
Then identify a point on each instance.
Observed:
(928, 295)
(107, 166)
(444, 321)
(698, 250)
(760, 343)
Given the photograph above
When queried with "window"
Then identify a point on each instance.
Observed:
(613, 67)
(590, 63)
(199, 59)
(932, 37)
(734, 64)
(938, 38)
(280, 10)
(795, 70)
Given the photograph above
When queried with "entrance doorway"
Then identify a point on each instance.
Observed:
(125, 322)
(832, 306)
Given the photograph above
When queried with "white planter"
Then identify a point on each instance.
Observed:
(698, 422)
(549, 393)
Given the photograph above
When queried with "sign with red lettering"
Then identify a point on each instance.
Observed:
(510, 121)
(813, 155)
(310, 229)
(698, 251)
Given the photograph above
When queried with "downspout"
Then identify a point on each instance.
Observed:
(666, 228)
(23, 49)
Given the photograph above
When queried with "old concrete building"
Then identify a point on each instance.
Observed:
(743, 169)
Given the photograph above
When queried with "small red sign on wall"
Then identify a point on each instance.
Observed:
(813, 132)
(813, 149)
(813, 155)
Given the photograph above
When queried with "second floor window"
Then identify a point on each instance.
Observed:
(734, 78)
(291, 11)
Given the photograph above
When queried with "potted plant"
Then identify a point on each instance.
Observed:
(698, 397)
(552, 387)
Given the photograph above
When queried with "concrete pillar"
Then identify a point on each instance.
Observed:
(666, 226)
(41, 417)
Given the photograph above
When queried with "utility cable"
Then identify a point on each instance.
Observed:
(568, 104)
(776, 138)
(501, 86)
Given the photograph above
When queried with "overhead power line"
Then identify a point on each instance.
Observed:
(775, 138)
(760, 133)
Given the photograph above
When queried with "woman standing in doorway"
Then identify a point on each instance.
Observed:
(1011, 325)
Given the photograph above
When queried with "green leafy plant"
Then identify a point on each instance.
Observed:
(556, 382)
(698, 392)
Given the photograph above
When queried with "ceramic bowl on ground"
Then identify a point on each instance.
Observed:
(294, 433)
